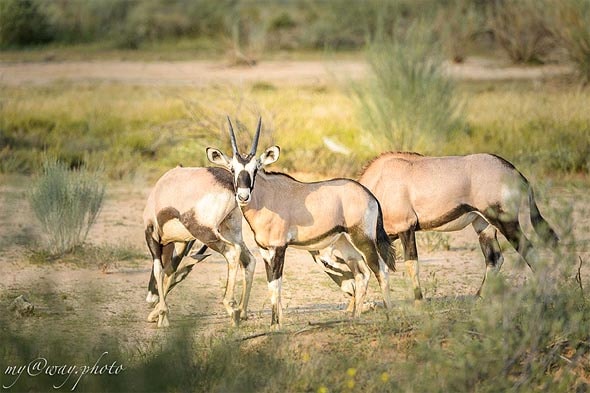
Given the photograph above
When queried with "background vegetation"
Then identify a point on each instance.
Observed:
(66, 203)
(407, 101)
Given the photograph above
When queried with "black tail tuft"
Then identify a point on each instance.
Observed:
(384, 244)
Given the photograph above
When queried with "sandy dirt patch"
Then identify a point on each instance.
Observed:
(200, 73)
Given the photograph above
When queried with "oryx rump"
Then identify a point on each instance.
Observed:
(447, 194)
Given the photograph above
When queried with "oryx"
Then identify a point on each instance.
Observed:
(447, 194)
(339, 214)
(188, 204)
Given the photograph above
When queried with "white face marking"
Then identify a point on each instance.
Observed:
(244, 184)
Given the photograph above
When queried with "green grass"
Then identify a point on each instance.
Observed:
(66, 203)
(543, 128)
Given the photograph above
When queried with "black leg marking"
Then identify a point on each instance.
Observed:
(274, 267)
(491, 249)
(156, 252)
(408, 239)
(339, 275)
(274, 271)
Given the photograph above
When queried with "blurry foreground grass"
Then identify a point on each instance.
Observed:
(541, 127)
(519, 340)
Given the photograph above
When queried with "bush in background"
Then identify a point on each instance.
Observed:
(522, 29)
(22, 23)
(66, 202)
(408, 103)
(572, 27)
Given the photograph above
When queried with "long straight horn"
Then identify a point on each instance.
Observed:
(232, 137)
(256, 136)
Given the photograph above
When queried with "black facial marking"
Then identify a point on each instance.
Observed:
(244, 180)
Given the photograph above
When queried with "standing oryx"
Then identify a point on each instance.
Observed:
(188, 204)
(449, 193)
(282, 211)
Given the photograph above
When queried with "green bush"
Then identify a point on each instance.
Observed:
(573, 29)
(66, 202)
(408, 103)
(22, 23)
(522, 28)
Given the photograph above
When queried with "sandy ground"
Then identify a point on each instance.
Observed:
(199, 73)
(117, 298)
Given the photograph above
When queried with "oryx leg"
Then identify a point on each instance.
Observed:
(248, 264)
(335, 267)
(158, 269)
(172, 254)
(488, 240)
(368, 249)
(408, 239)
(231, 230)
(361, 273)
(274, 259)
(231, 253)
(513, 232)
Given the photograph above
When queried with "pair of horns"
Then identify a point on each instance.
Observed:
(234, 145)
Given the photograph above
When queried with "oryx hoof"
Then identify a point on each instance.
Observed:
(243, 315)
(153, 316)
(418, 295)
(275, 327)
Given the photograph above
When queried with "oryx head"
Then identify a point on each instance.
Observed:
(243, 167)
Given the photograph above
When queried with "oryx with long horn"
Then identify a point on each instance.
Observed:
(339, 214)
(189, 204)
(447, 194)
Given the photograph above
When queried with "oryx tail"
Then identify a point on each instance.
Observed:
(541, 226)
(384, 245)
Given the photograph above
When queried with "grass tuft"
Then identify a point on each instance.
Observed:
(66, 203)
(408, 103)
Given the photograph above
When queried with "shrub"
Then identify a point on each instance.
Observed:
(572, 28)
(522, 29)
(22, 23)
(66, 202)
(408, 103)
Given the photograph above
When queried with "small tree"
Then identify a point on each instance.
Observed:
(66, 202)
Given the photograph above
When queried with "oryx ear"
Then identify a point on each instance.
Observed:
(217, 157)
(269, 156)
